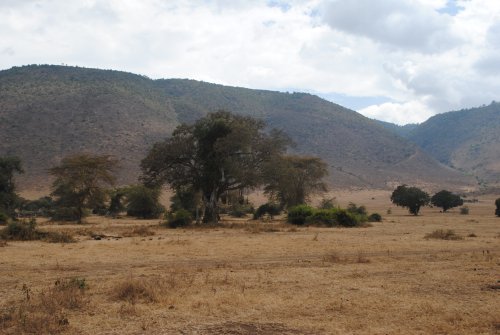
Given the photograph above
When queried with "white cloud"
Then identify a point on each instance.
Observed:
(410, 52)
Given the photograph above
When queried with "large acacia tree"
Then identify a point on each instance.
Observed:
(80, 181)
(218, 153)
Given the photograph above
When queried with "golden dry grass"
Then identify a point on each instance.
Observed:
(270, 278)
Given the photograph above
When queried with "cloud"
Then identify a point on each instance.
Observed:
(398, 113)
(399, 23)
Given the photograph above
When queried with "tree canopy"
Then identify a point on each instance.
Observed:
(446, 200)
(81, 180)
(218, 153)
(8, 197)
(410, 197)
(291, 179)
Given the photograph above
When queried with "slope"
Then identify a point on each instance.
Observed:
(47, 112)
(468, 140)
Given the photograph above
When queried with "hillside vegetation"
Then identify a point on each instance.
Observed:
(48, 112)
(468, 140)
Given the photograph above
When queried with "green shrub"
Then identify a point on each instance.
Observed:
(298, 214)
(375, 217)
(143, 202)
(4, 218)
(497, 204)
(464, 210)
(327, 204)
(240, 210)
(180, 218)
(66, 214)
(345, 218)
(20, 231)
(268, 208)
(353, 208)
(322, 217)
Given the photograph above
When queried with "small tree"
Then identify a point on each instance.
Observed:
(290, 180)
(8, 197)
(80, 181)
(497, 204)
(143, 202)
(446, 200)
(410, 197)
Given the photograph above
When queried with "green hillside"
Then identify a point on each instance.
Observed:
(47, 112)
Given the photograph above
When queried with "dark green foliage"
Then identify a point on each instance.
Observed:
(116, 205)
(43, 206)
(186, 198)
(143, 202)
(359, 210)
(269, 208)
(179, 218)
(327, 204)
(238, 210)
(290, 180)
(410, 197)
(4, 218)
(20, 231)
(325, 217)
(332, 217)
(497, 204)
(375, 217)
(9, 200)
(298, 214)
(67, 214)
(446, 200)
(219, 153)
(80, 182)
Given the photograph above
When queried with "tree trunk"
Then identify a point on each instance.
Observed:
(211, 215)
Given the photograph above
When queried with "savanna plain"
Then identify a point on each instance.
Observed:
(125, 276)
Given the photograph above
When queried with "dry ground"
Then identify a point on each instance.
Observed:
(260, 277)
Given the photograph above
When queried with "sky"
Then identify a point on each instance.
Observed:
(400, 61)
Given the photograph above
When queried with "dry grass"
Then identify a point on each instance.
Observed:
(44, 312)
(237, 278)
(444, 234)
(142, 231)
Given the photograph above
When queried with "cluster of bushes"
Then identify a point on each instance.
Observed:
(27, 231)
(351, 217)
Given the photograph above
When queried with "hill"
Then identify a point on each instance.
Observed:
(47, 112)
(468, 140)
(403, 131)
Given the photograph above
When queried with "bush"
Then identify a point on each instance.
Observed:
(180, 218)
(497, 204)
(66, 214)
(298, 214)
(375, 217)
(322, 217)
(239, 211)
(4, 218)
(347, 219)
(354, 209)
(327, 204)
(464, 210)
(268, 208)
(20, 231)
(143, 202)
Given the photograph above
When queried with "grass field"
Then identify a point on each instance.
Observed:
(253, 277)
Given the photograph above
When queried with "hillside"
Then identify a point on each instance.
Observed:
(403, 131)
(468, 140)
(47, 112)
